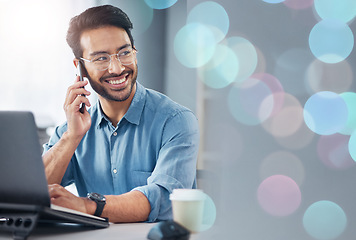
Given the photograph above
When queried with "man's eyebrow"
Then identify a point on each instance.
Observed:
(124, 46)
(97, 52)
(101, 52)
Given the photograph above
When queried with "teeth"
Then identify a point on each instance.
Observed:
(117, 81)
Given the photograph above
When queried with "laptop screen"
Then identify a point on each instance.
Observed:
(22, 176)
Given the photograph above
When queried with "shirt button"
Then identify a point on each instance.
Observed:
(115, 171)
(115, 134)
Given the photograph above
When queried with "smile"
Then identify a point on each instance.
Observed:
(115, 82)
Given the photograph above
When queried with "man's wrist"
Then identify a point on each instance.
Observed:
(90, 206)
(69, 137)
(100, 201)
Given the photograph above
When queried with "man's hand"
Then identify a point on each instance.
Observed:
(62, 197)
(128, 207)
(57, 158)
(78, 123)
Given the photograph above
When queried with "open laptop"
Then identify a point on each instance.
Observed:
(24, 197)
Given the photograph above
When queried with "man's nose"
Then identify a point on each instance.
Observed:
(115, 66)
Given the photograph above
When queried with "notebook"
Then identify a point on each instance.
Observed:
(24, 197)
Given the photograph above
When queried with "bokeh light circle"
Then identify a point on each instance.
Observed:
(221, 70)
(324, 220)
(350, 100)
(287, 119)
(279, 195)
(283, 163)
(331, 41)
(325, 113)
(212, 15)
(333, 151)
(286, 122)
(276, 88)
(322, 76)
(249, 102)
(273, 1)
(247, 57)
(209, 213)
(261, 63)
(299, 135)
(343, 10)
(159, 4)
(352, 146)
(194, 45)
(298, 140)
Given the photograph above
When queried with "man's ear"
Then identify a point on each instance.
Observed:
(134, 47)
(76, 64)
(75, 61)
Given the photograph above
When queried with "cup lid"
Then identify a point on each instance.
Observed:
(187, 195)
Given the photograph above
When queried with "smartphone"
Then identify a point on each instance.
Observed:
(80, 68)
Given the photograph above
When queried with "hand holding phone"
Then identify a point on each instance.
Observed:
(82, 107)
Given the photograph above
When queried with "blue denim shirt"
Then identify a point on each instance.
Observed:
(153, 150)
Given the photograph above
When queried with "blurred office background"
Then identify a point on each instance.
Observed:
(272, 83)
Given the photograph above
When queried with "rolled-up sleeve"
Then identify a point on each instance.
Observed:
(53, 140)
(176, 164)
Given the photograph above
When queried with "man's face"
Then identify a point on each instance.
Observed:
(117, 83)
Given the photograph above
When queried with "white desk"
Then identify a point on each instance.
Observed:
(127, 231)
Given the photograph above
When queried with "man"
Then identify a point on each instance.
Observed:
(130, 149)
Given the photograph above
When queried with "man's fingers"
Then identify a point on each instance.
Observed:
(75, 105)
(74, 94)
(76, 85)
(55, 190)
(62, 197)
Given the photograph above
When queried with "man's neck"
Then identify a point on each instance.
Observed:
(115, 110)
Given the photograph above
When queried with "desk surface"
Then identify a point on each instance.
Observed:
(127, 231)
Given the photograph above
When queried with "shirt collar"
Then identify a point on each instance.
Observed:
(101, 116)
(133, 114)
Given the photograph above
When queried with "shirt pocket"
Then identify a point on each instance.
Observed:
(139, 178)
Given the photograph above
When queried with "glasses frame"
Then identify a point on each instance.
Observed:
(134, 51)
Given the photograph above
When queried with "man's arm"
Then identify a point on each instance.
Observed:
(129, 207)
(175, 166)
(57, 158)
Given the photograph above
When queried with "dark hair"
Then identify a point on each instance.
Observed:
(93, 18)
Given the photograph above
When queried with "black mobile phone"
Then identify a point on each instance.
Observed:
(80, 67)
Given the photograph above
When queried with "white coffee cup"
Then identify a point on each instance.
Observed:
(188, 208)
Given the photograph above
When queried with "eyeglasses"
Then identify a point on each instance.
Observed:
(102, 61)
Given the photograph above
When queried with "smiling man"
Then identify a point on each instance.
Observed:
(128, 151)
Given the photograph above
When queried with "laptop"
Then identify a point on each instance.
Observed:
(24, 197)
